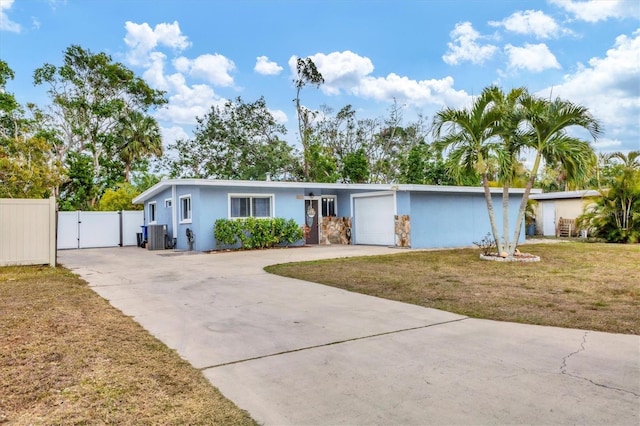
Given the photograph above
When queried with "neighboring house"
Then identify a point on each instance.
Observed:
(418, 216)
(566, 205)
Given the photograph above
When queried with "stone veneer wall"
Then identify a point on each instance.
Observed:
(334, 230)
(402, 230)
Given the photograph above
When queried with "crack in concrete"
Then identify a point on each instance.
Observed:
(563, 370)
(563, 367)
(600, 385)
(331, 344)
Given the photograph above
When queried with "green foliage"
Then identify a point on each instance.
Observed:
(145, 180)
(138, 137)
(615, 216)
(324, 167)
(92, 95)
(355, 167)
(423, 166)
(27, 168)
(236, 141)
(77, 191)
(252, 233)
(306, 73)
(228, 231)
(488, 138)
(9, 107)
(119, 198)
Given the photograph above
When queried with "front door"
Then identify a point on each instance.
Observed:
(311, 219)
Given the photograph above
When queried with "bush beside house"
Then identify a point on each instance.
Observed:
(252, 233)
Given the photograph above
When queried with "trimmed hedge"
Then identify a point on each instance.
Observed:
(252, 233)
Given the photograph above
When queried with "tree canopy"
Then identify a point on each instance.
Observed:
(91, 95)
(28, 169)
(238, 140)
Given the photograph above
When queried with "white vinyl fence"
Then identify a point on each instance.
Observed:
(82, 229)
(27, 232)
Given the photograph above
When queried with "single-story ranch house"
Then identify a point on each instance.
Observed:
(418, 216)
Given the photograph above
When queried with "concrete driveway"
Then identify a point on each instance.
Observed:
(297, 353)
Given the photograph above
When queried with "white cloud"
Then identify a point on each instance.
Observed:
(340, 70)
(266, 67)
(600, 10)
(465, 46)
(532, 22)
(172, 134)
(350, 73)
(142, 39)
(154, 74)
(610, 87)
(531, 57)
(7, 24)
(214, 68)
(418, 93)
(185, 102)
(279, 115)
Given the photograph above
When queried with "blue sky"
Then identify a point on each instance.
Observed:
(425, 54)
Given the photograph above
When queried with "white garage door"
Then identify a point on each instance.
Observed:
(374, 220)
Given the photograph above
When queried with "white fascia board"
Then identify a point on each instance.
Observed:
(565, 195)
(160, 186)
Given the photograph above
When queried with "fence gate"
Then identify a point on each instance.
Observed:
(82, 229)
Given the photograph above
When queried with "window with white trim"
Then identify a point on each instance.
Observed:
(167, 203)
(328, 206)
(185, 209)
(241, 206)
(152, 212)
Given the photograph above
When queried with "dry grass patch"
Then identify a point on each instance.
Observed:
(68, 357)
(576, 285)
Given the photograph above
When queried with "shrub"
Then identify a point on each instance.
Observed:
(487, 245)
(251, 233)
(615, 216)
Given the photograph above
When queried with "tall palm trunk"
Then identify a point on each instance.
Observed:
(509, 246)
(523, 202)
(492, 214)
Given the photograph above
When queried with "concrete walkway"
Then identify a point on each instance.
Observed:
(297, 353)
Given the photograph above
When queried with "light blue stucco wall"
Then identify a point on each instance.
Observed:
(455, 220)
(403, 202)
(211, 203)
(163, 215)
(437, 219)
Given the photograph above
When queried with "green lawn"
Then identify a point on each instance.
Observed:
(578, 285)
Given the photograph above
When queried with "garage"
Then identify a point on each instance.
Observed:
(374, 219)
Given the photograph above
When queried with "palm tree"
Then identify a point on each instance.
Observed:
(141, 138)
(508, 130)
(471, 140)
(547, 123)
(615, 215)
(499, 127)
(629, 161)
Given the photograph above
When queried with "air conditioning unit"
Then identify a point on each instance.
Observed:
(156, 235)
